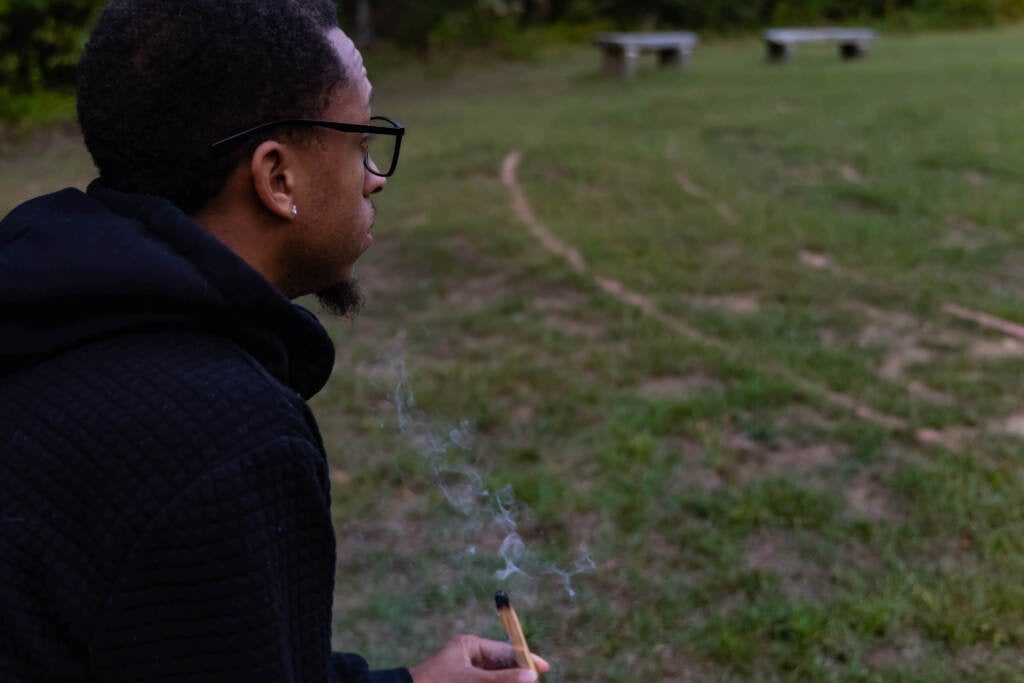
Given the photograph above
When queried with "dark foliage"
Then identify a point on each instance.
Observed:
(41, 40)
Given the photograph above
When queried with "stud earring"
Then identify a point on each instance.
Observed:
(295, 211)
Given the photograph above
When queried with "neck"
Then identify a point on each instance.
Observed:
(244, 233)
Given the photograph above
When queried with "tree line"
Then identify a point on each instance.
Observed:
(40, 40)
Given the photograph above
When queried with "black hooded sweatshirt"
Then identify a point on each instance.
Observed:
(164, 499)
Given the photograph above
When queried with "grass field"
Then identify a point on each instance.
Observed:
(710, 343)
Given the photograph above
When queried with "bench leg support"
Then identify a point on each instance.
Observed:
(778, 52)
(852, 50)
(620, 61)
(673, 57)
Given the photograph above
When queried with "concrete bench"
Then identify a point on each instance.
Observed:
(853, 42)
(622, 50)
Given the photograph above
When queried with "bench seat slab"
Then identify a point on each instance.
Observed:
(853, 42)
(621, 51)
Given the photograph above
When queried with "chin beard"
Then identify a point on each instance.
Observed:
(343, 299)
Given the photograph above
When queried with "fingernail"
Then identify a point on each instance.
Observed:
(527, 676)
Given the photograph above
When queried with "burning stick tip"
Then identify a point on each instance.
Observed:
(501, 600)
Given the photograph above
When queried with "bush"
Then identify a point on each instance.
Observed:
(41, 41)
(476, 26)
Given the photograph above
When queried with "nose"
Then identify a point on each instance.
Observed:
(372, 184)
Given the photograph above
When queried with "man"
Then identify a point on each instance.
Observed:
(164, 510)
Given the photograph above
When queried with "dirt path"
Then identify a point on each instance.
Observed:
(524, 212)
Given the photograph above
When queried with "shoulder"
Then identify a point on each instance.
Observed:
(177, 400)
(187, 372)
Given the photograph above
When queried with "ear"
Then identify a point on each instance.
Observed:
(273, 178)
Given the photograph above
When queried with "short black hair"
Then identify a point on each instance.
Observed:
(160, 80)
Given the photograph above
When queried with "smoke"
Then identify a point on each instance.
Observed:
(485, 510)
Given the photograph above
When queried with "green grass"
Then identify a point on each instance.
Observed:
(742, 526)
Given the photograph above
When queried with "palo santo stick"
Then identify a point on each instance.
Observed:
(510, 622)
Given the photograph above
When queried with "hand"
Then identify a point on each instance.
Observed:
(468, 659)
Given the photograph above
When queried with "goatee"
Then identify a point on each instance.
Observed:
(343, 299)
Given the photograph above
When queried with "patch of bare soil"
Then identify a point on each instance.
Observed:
(867, 498)
(478, 293)
(1012, 425)
(850, 174)
(340, 477)
(964, 234)
(678, 387)
(815, 260)
(807, 176)
(995, 349)
(950, 438)
(864, 207)
(682, 666)
(923, 392)
(983, 658)
(558, 307)
(900, 651)
(584, 329)
(523, 413)
(416, 221)
(799, 417)
(773, 551)
(755, 459)
(559, 300)
(739, 304)
(726, 213)
(976, 178)
(690, 470)
(818, 261)
(466, 251)
(957, 554)
(689, 186)
(903, 337)
(828, 337)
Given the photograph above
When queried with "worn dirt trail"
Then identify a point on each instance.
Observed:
(572, 256)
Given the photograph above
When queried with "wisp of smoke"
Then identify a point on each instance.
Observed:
(465, 490)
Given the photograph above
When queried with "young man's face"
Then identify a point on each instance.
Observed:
(335, 212)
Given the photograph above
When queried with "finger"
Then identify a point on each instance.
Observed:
(493, 655)
(490, 654)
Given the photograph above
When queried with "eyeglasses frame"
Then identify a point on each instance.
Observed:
(396, 130)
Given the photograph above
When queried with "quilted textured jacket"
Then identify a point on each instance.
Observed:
(164, 501)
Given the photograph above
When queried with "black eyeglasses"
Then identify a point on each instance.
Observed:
(383, 144)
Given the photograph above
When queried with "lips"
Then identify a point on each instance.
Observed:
(368, 236)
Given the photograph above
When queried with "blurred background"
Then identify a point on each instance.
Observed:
(717, 370)
(40, 40)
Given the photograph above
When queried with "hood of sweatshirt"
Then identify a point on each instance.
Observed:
(77, 267)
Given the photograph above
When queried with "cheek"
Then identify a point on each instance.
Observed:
(353, 181)
(341, 191)
(348, 180)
